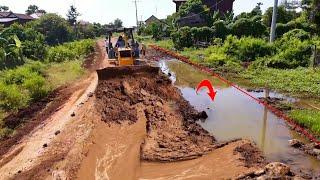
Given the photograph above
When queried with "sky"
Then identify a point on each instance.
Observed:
(105, 11)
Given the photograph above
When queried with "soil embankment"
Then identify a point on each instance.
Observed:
(173, 133)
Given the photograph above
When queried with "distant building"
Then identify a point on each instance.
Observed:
(179, 3)
(152, 19)
(214, 5)
(8, 18)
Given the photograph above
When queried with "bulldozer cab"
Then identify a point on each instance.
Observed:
(123, 49)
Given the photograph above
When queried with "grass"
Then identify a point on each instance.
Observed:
(307, 118)
(300, 82)
(62, 73)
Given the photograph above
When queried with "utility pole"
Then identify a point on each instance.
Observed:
(135, 3)
(274, 21)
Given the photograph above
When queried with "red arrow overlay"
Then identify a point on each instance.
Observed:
(207, 83)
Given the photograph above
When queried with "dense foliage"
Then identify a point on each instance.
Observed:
(70, 51)
(55, 29)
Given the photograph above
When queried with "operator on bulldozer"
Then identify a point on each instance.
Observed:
(120, 43)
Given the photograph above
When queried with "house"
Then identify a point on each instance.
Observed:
(8, 18)
(214, 5)
(152, 19)
(192, 19)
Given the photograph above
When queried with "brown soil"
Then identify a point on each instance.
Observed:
(173, 133)
(251, 155)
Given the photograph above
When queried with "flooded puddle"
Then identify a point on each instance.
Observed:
(234, 115)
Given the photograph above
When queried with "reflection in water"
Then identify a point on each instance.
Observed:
(264, 129)
(234, 115)
(265, 118)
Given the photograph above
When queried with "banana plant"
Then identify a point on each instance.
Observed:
(7, 48)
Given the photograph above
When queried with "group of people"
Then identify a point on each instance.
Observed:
(121, 43)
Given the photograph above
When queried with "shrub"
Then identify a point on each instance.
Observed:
(22, 85)
(220, 29)
(36, 86)
(296, 33)
(70, 51)
(247, 48)
(291, 53)
(11, 98)
(248, 27)
(202, 34)
(182, 38)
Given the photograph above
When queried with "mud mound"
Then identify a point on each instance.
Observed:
(172, 131)
(251, 155)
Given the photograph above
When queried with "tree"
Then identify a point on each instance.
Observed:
(248, 27)
(55, 28)
(283, 16)
(4, 8)
(182, 38)
(220, 29)
(255, 12)
(32, 9)
(117, 23)
(195, 7)
(73, 15)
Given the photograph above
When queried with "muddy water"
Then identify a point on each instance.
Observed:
(234, 115)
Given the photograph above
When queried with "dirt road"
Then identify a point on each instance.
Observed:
(130, 124)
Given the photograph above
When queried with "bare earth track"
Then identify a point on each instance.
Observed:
(130, 124)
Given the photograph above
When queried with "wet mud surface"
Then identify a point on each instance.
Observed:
(172, 131)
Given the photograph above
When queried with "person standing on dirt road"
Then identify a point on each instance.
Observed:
(120, 43)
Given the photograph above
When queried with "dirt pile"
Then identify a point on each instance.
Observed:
(172, 131)
(251, 156)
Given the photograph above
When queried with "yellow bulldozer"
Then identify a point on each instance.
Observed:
(123, 50)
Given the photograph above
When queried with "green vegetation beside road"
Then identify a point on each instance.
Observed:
(307, 118)
(303, 82)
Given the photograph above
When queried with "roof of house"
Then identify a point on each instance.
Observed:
(6, 20)
(37, 15)
(15, 15)
(152, 18)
